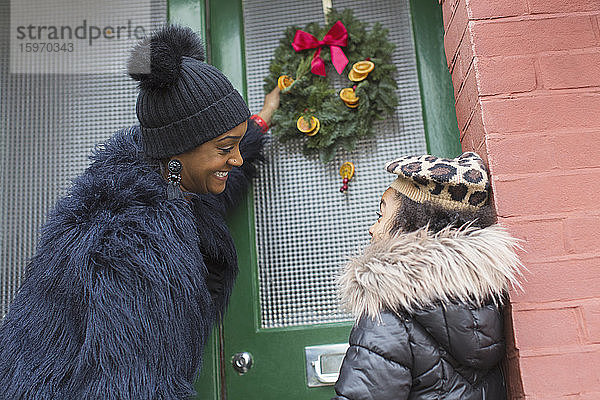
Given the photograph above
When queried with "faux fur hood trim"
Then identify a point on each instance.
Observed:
(417, 269)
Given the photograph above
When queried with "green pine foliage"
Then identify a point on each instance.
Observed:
(313, 95)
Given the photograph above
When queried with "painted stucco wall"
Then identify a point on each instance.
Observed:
(526, 76)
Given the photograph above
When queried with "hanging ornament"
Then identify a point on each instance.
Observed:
(348, 96)
(346, 172)
(360, 70)
(284, 82)
(311, 128)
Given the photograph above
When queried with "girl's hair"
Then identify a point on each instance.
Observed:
(411, 216)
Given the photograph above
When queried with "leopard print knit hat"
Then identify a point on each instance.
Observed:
(460, 183)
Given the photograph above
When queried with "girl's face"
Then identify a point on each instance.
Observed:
(206, 168)
(387, 210)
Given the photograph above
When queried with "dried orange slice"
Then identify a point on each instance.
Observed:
(306, 127)
(352, 105)
(349, 96)
(354, 77)
(284, 81)
(347, 170)
(314, 131)
(363, 67)
(360, 70)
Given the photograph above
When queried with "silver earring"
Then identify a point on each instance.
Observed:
(173, 190)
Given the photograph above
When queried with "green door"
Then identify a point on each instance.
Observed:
(257, 322)
(278, 358)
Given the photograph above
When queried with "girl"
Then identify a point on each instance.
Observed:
(427, 292)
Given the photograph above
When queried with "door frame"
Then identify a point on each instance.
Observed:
(435, 83)
(221, 23)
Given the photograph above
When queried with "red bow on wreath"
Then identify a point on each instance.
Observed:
(336, 37)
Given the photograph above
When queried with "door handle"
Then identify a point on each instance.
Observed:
(242, 362)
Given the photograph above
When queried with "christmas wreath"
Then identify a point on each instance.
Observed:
(311, 109)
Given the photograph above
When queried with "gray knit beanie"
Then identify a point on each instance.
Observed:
(183, 101)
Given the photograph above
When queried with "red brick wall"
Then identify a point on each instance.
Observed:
(526, 77)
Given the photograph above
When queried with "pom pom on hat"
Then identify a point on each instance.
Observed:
(156, 61)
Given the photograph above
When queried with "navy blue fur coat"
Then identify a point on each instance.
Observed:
(115, 303)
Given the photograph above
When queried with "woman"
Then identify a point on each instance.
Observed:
(136, 263)
(427, 292)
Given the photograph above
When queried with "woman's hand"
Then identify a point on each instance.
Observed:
(270, 105)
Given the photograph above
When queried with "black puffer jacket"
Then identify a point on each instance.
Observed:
(428, 327)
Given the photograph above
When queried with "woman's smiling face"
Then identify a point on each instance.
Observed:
(206, 168)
